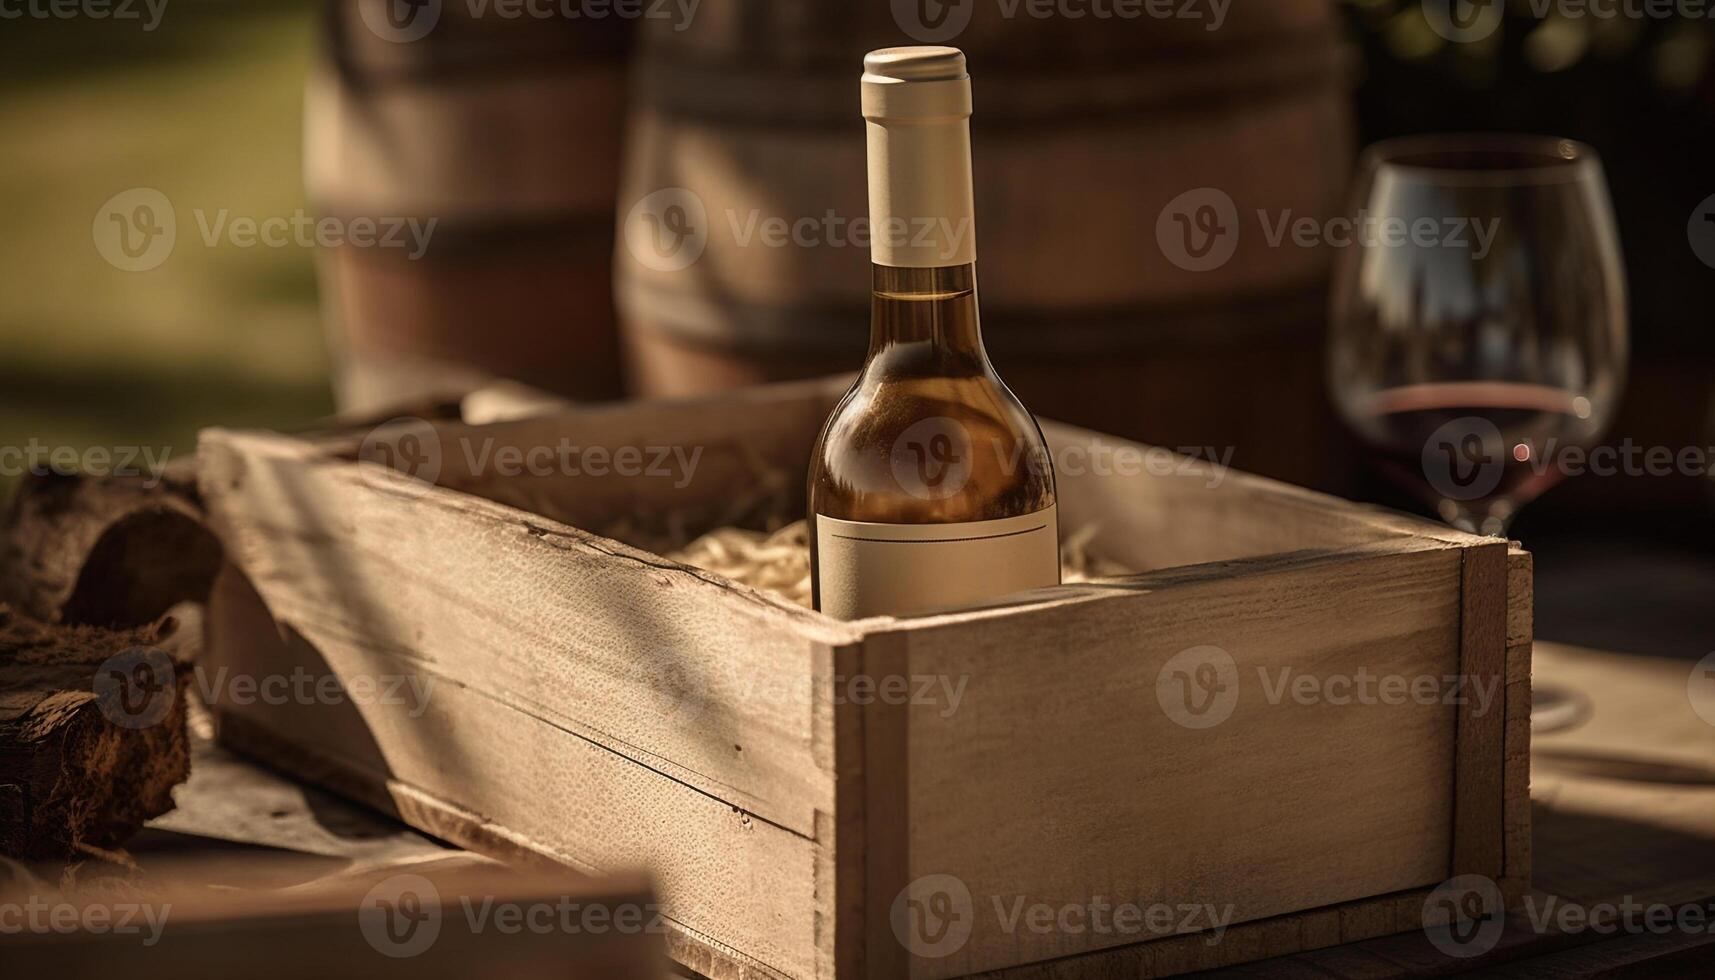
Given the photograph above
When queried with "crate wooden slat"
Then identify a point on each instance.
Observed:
(599, 706)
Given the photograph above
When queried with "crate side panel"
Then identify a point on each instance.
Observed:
(1521, 632)
(1157, 510)
(1480, 754)
(1206, 744)
(706, 683)
(641, 472)
(506, 782)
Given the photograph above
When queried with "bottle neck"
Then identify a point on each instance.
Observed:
(925, 320)
(921, 205)
(917, 112)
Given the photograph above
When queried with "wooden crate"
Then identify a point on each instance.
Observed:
(598, 706)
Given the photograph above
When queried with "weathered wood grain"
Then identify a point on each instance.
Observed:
(113, 551)
(1309, 792)
(595, 705)
(368, 565)
(86, 758)
(1521, 635)
(1622, 814)
(1480, 750)
(469, 767)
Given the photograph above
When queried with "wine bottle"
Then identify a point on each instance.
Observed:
(931, 485)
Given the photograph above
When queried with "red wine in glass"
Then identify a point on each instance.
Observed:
(1476, 451)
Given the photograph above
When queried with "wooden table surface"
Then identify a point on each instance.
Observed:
(1623, 810)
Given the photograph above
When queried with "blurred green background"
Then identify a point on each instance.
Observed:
(207, 109)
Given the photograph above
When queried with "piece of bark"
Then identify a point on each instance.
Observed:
(92, 731)
(112, 551)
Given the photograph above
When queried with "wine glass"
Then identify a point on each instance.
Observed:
(1479, 317)
(1479, 322)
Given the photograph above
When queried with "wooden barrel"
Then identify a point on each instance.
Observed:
(1085, 132)
(506, 133)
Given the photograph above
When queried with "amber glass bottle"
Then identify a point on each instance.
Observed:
(931, 486)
